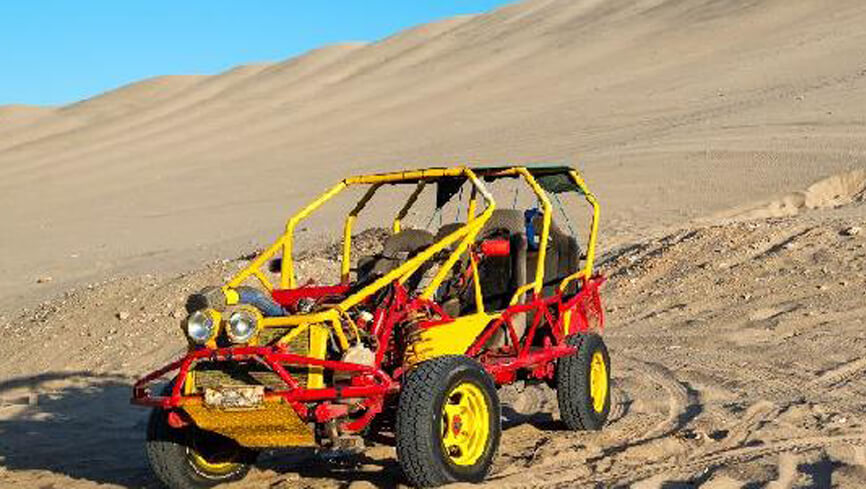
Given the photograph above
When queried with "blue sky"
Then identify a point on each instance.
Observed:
(59, 51)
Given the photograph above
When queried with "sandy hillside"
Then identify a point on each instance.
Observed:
(725, 139)
(675, 109)
(737, 349)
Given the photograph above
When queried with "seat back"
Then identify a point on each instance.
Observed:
(563, 255)
(501, 276)
(396, 249)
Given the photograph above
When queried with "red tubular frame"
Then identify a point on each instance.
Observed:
(371, 384)
(504, 368)
(380, 383)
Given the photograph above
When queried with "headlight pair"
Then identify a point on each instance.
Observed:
(242, 325)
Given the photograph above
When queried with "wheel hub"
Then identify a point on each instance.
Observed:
(598, 381)
(465, 420)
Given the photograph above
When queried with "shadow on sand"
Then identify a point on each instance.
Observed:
(82, 426)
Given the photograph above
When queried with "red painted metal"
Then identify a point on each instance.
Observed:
(369, 386)
(496, 247)
(373, 407)
(290, 297)
(177, 420)
(326, 411)
(540, 362)
(372, 381)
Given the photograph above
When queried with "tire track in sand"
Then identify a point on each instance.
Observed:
(727, 457)
(683, 405)
(841, 373)
(683, 401)
(751, 420)
(619, 404)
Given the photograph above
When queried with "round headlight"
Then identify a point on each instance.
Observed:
(200, 327)
(243, 324)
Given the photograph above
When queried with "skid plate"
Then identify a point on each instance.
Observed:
(274, 425)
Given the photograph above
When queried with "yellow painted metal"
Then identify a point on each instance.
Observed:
(403, 176)
(520, 291)
(346, 264)
(473, 203)
(466, 235)
(274, 425)
(566, 322)
(351, 322)
(580, 274)
(287, 278)
(212, 468)
(414, 263)
(406, 269)
(263, 279)
(291, 335)
(593, 227)
(231, 295)
(538, 281)
(341, 335)
(473, 229)
(316, 317)
(450, 339)
(318, 349)
(465, 424)
(253, 268)
(331, 316)
(407, 206)
(189, 383)
(598, 381)
(545, 227)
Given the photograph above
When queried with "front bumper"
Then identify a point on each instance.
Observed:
(366, 381)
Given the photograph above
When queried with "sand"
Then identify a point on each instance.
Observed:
(724, 139)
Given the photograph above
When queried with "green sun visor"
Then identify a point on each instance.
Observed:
(557, 183)
(553, 179)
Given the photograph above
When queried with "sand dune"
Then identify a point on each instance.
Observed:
(725, 140)
(132, 98)
(669, 107)
(833, 191)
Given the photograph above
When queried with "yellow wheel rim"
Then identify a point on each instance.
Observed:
(211, 460)
(598, 382)
(212, 468)
(465, 424)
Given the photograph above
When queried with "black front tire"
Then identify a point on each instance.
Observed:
(422, 425)
(582, 405)
(190, 458)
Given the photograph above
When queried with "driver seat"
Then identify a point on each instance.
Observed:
(396, 250)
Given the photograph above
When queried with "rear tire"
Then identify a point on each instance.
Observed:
(583, 383)
(448, 422)
(190, 458)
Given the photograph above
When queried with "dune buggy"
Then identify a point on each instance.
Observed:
(408, 344)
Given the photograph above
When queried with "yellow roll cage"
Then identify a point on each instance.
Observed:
(466, 235)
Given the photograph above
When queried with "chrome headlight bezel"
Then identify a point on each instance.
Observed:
(202, 326)
(243, 324)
